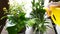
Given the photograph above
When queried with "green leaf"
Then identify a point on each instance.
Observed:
(31, 22)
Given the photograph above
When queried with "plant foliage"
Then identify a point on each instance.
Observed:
(37, 14)
(16, 16)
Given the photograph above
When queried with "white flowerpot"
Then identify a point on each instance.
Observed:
(29, 30)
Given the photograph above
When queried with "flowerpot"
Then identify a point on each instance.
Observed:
(29, 30)
(38, 32)
(13, 30)
(22, 31)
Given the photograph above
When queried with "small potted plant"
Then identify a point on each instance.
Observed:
(37, 21)
(17, 16)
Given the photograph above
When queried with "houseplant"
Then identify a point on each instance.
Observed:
(37, 20)
(17, 16)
